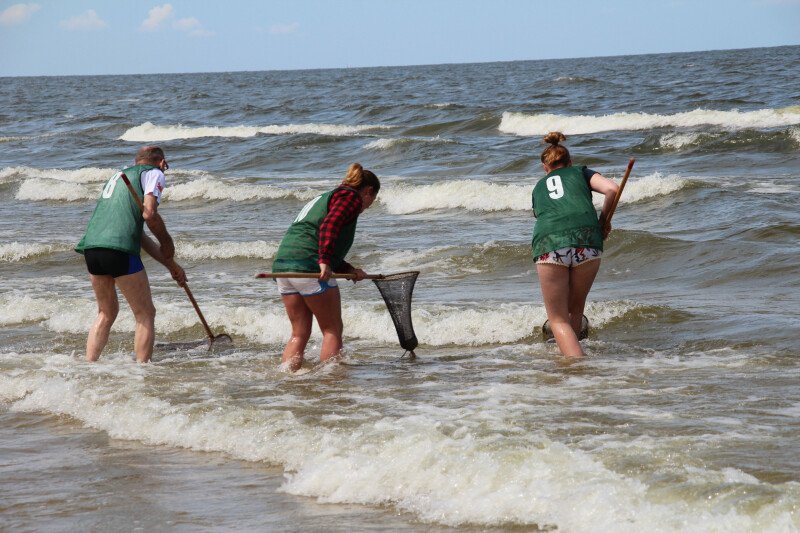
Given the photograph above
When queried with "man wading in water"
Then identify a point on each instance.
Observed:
(112, 248)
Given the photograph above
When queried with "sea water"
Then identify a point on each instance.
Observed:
(684, 416)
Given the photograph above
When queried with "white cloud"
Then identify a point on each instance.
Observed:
(17, 14)
(192, 26)
(187, 24)
(283, 29)
(156, 16)
(86, 21)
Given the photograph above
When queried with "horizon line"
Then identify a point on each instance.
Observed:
(391, 66)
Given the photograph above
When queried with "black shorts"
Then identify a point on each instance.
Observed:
(105, 262)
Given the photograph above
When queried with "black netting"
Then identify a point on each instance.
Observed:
(396, 290)
(547, 333)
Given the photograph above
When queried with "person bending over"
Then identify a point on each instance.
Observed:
(317, 241)
(112, 248)
(568, 239)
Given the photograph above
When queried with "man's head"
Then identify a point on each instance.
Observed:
(152, 155)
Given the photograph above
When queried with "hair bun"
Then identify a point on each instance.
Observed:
(554, 137)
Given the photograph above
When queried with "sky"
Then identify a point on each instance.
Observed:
(77, 37)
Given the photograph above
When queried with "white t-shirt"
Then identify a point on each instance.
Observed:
(153, 182)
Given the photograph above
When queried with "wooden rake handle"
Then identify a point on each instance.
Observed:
(199, 313)
(619, 192)
(309, 275)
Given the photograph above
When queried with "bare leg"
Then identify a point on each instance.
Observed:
(327, 308)
(136, 289)
(107, 308)
(581, 279)
(554, 281)
(300, 316)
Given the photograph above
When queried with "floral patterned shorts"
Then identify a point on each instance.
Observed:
(569, 257)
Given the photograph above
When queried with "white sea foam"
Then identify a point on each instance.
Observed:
(17, 251)
(199, 250)
(79, 176)
(444, 465)
(435, 325)
(474, 195)
(46, 189)
(386, 144)
(676, 141)
(75, 315)
(526, 124)
(149, 132)
(647, 187)
(215, 189)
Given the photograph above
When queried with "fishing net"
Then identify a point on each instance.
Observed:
(547, 332)
(396, 290)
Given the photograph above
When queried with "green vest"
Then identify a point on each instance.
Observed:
(299, 249)
(117, 221)
(565, 215)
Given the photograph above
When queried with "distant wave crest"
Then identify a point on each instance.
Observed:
(386, 144)
(149, 132)
(527, 125)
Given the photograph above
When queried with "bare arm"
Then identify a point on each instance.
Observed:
(157, 226)
(154, 250)
(165, 250)
(608, 189)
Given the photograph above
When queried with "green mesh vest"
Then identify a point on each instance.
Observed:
(299, 249)
(117, 221)
(565, 215)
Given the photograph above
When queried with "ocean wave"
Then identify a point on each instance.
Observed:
(386, 144)
(450, 260)
(575, 79)
(410, 457)
(435, 324)
(16, 251)
(649, 186)
(676, 141)
(473, 195)
(476, 195)
(81, 175)
(216, 189)
(200, 250)
(149, 132)
(38, 190)
(526, 124)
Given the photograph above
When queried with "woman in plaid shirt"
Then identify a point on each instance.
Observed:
(318, 241)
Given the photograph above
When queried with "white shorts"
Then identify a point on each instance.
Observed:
(304, 286)
(568, 257)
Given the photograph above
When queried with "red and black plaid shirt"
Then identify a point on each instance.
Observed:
(344, 207)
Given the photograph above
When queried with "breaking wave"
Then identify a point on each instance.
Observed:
(476, 195)
(526, 124)
(149, 132)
